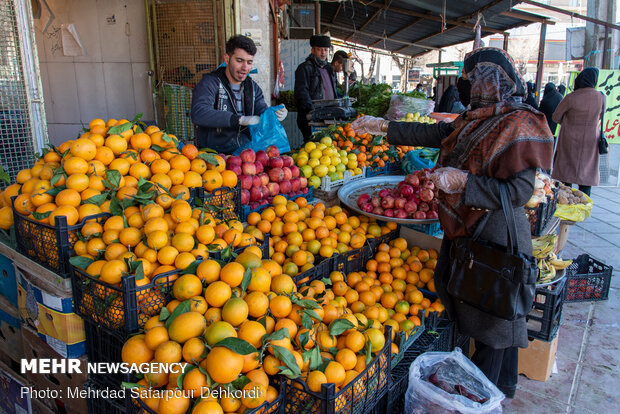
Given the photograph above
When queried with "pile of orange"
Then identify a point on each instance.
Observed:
(301, 234)
(239, 335)
(69, 180)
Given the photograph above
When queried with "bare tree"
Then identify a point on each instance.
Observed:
(373, 60)
(403, 65)
(522, 50)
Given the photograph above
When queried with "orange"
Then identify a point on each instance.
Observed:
(217, 293)
(252, 332)
(173, 403)
(193, 349)
(212, 179)
(156, 336)
(211, 407)
(75, 165)
(280, 306)
(315, 379)
(235, 311)
(335, 372)
(229, 178)
(116, 143)
(84, 148)
(355, 341)
(258, 303)
(232, 274)
(105, 155)
(208, 270)
(135, 351)
(223, 365)
(112, 271)
(69, 212)
(254, 394)
(260, 281)
(140, 141)
(181, 211)
(187, 286)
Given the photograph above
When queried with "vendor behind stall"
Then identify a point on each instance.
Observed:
(314, 79)
(225, 102)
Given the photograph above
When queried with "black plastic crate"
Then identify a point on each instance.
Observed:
(588, 280)
(320, 270)
(544, 319)
(353, 260)
(105, 405)
(444, 332)
(123, 309)
(226, 201)
(374, 242)
(540, 216)
(246, 210)
(362, 395)
(50, 246)
(103, 345)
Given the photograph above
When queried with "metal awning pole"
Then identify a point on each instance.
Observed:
(506, 36)
(541, 57)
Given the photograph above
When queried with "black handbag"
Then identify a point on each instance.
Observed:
(603, 145)
(495, 279)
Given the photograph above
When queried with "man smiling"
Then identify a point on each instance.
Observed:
(225, 102)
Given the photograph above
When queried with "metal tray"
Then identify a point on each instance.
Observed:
(348, 194)
(560, 274)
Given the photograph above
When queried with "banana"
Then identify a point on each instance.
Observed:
(560, 264)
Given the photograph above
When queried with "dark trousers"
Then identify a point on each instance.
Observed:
(586, 189)
(302, 124)
(499, 365)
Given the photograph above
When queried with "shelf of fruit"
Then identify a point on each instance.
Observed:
(408, 200)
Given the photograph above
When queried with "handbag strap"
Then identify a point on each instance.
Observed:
(603, 114)
(509, 215)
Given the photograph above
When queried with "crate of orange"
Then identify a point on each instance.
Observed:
(319, 392)
(122, 308)
(49, 241)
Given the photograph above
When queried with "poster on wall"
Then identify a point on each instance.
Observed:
(413, 75)
(609, 84)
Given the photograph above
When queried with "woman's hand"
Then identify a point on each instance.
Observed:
(450, 180)
(370, 124)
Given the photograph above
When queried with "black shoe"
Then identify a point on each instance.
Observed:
(509, 391)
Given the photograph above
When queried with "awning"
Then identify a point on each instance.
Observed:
(414, 27)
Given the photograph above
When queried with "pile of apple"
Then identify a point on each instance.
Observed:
(265, 174)
(413, 198)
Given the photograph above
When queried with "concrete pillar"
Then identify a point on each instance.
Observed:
(596, 42)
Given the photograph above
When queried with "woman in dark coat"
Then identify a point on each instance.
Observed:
(551, 99)
(450, 101)
(576, 158)
(500, 139)
(530, 99)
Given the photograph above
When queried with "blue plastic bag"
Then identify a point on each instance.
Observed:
(269, 131)
(419, 159)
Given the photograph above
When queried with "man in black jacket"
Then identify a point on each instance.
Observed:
(314, 79)
(225, 102)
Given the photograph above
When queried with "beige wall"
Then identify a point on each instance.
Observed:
(255, 17)
(110, 80)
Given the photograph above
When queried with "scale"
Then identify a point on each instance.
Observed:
(335, 109)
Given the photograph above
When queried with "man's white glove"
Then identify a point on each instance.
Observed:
(249, 120)
(369, 124)
(450, 180)
(281, 113)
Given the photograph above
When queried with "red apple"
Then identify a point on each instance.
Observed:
(295, 184)
(378, 211)
(406, 190)
(274, 189)
(276, 174)
(246, 182)
(264, 192)
(376, 201)
(384, 193)
(294, 170)
(367, 207)
(264, 178)
(245, 197)
(255, 194)
(248, 155)
(233, 160)
(388, 212)
(306, 190)
(387, 202)
(256, 181)
(259, 167)
(287, 160)
(264, 202)
(432, 215)
(288, 174)
(303, 183)
(400, 213)
(419, 215)
(248, 168)
(236, 169)
(424, 207)
(428, 184)
(254, 205)
(363, 199)
(410, 206)
(412, 180)
(262, 157)
(285, 186)
(276, 162)
(273, 151)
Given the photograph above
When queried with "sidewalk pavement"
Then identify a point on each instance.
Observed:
(588, 355)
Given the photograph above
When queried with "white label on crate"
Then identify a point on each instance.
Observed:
(57, 345)
(51, 301)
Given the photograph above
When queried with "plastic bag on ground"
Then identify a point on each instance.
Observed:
(455, 372)
(269, 131)
(401, 105)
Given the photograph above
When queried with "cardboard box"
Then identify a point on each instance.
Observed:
(34, 348)
(422, 240)
(536, 361)
(11, 401)
(49, 309)
(10, 335)
(8, 283)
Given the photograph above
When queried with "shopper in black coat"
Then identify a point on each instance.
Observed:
(530, 99)
(551, 99)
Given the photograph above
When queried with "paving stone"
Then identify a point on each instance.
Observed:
(597, 391)
(606, 313)
(530, 403)
(575, 314)
(603, 347)
(600, 227)
(557, 387)
(570, 340)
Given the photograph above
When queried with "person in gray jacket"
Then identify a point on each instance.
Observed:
(225, 102)
(500, 139)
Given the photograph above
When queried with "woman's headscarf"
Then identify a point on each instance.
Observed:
(550, 101)
(562, 89)
(587, 78)
(449, 97)
(499, 137)
(464, 88)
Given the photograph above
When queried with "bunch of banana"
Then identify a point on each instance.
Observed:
(546, 271)
(544, 245)
(557, 262)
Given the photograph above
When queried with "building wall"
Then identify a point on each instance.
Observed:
(255, 21)
(110, 80)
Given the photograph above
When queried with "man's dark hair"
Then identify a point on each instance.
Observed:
(240, 42)
(339, 56)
